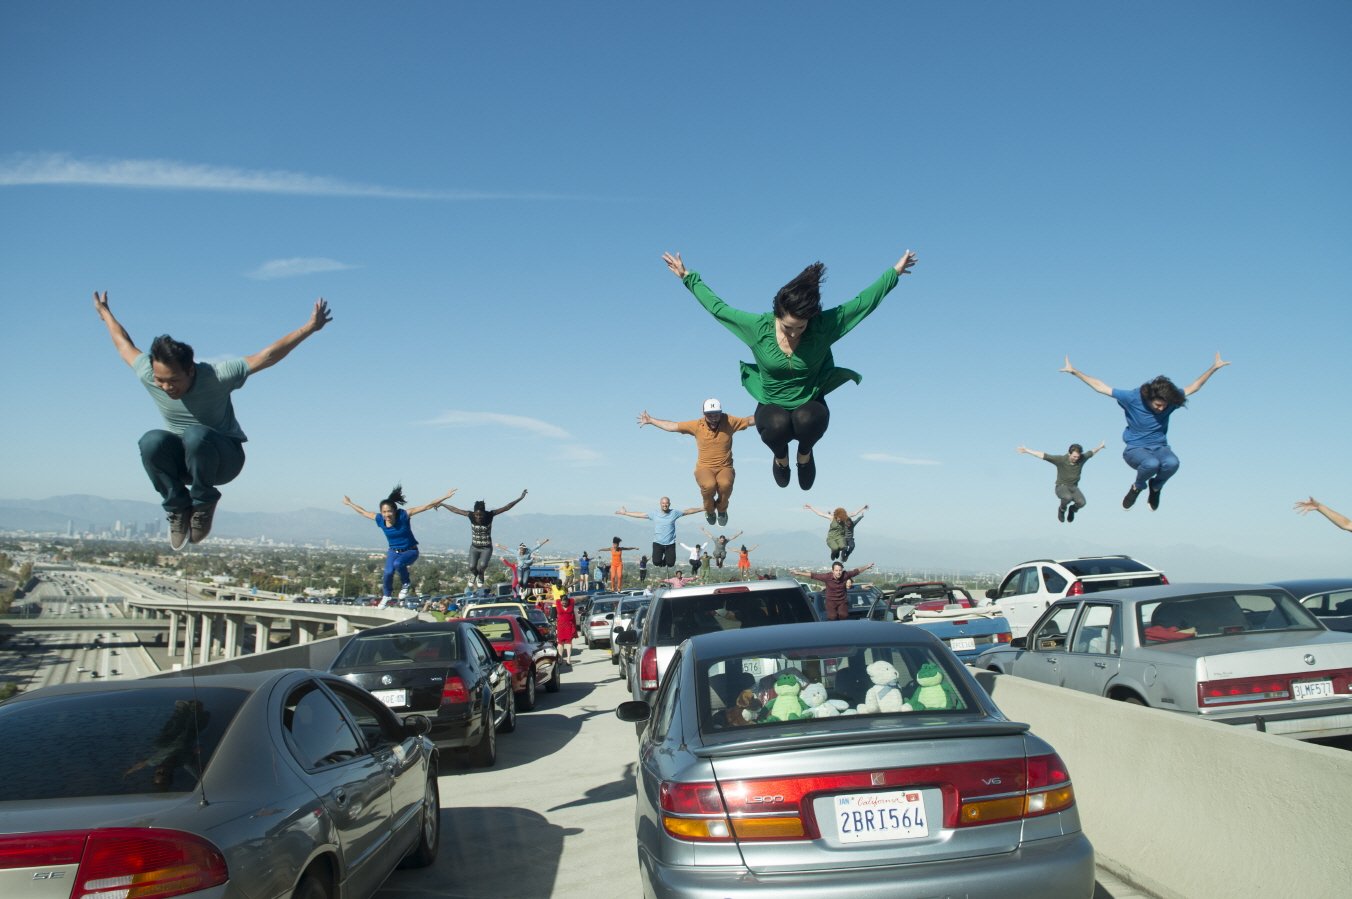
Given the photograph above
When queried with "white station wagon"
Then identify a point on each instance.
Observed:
(1243, 654)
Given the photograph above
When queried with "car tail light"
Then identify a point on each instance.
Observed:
(1272, 688)
(647, 669)
(1004, 637)
(1076, 589)
(973, 793)
(1163, 579)
(122, 862)
(738, 589)
(453, 690)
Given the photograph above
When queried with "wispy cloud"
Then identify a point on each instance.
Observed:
(895, 460)
(296, 266)
(500, 420)
(167, 174)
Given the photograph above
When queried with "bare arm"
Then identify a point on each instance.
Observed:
(358, 509)
(645, 419)
(1027, 451)
(705, 532)
(692, 510)
(540, 544)
(455, 510)
(860, 511)
(121, 339)
(623, 511)
(509, 505)
(735, 536)
(1314, 505)
(278, 350)
(816, 511)
(1093, 382)
(1205, 376)
(753, 548)
(432, 505)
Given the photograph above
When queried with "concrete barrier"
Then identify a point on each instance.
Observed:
(1190, 809)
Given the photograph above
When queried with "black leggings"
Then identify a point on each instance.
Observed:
(806, 424)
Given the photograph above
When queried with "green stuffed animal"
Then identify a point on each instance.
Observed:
(934, 693)
(786, 706)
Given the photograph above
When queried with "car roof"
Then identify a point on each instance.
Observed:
(732, 587)
(1168, 591)
(1303, 587)
(858, 632)
(414, 625)
(252, 681)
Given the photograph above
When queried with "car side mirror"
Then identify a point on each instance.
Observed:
(1019, 642)
(507, 655)
(627, 637)
(417, 725)
(992, 593)
(633, 710)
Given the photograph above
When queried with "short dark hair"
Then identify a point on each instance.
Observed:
(1076, 448)
(802, 297)
(168, 351)
(1161, 388)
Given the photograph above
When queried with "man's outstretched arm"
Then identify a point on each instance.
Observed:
(278, 350)
(121, 339)
(1314, 505)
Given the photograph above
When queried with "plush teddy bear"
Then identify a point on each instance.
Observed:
(884, 695)
(743, 711)
(934, 693)
(786, 706)
(818, 706)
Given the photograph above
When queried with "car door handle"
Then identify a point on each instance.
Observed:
(340, 798)
(1100, 664)
(1050, 660)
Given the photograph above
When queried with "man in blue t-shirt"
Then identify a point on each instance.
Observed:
(203, 445)
(664, 519)
(1147, 434)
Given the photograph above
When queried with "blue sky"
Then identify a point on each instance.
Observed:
(483, 192)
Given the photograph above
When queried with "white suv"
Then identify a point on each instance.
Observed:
(1030, 587)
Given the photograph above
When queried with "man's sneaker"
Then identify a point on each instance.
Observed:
(178, 529)
(1153, 499)
(201, 522)
(722, 519)
(403, 594)
(1061, 513)
(710, 517)
(384, 601)
(807, 473)
(781, 473)
(1070, 514)
(1130, 499)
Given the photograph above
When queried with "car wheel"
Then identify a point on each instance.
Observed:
(1132, 699)
(552, 685)
(525, 700)
(509, 719)
(614, 657)
(312, 887)
(429, 830)
(484, 754)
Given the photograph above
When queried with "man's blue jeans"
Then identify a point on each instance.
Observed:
(186, 469)
(1153, 464)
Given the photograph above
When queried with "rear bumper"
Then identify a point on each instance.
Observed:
(1059, 868)
(1300, 724)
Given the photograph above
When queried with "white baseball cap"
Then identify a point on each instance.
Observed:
(712, 405)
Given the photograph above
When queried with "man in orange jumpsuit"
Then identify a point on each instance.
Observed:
(713, 441)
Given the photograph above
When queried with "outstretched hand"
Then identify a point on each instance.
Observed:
(1068, 368)
(1307, 505)
(318, 319)
(644, 418)
(673, 261)
(101, 303)
(905, 263)
(1219, 363)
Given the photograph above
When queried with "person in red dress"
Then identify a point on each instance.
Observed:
(566, 625)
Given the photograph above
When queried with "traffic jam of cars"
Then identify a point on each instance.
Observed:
(776, 753)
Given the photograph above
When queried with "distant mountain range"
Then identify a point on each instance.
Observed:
(572, 534)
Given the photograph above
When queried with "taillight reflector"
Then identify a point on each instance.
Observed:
(1076, 589)
(453, 690)
(647, 669)
(122, 862)
(1004, 637)
(1270, 688)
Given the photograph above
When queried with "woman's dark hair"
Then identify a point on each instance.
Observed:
(584, 555)
(743, 547)
(480, 506)
(396, 497)
(168, 351)
(802, 297)
(614, 541)
(1163, 389)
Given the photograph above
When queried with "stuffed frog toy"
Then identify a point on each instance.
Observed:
(934, 692)
(786, 706)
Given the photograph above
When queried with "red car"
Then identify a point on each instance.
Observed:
(534, 659)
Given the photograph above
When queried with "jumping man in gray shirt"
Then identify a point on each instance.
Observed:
(1068, 469)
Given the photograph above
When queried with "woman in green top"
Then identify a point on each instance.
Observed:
(794, 369)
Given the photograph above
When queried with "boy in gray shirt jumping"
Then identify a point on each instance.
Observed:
(1068, 468)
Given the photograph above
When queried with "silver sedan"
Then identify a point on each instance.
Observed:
(271, 785)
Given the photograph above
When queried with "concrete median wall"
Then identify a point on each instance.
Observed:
(1190, 809)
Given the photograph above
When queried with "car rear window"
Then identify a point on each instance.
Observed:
(155, 740)
(1091, 567)
(768, 688)
(1119, 583)
(495, 629)
(1220, 615)
(398, 650)
(682, 617)
(602, 606)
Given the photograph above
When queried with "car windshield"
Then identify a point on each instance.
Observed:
(154, 740)
(489, 611)
(398, 650)
(827, 682)
(1090, 567)
(681, 617)
(497, 630)
(603, 606)
(1219, 615)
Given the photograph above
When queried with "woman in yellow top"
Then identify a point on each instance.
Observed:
(794, 368)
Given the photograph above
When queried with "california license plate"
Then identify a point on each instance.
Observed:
(392, 698)
(1312, 689)
(959, 644)
(872, 817)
